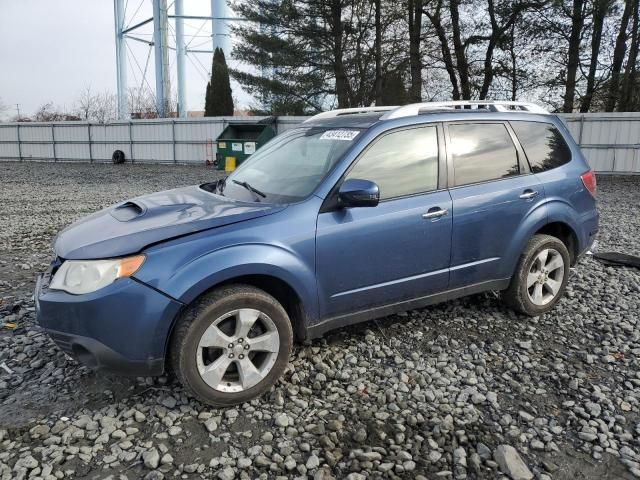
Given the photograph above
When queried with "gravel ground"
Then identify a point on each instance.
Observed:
(465, 389)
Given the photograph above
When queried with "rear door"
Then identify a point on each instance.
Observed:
(492, 191)
(400, 249)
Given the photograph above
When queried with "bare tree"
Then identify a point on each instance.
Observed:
(48, 112)
(97, 107)
(414, 8)
(618, 56)
(629, 78)
(600, 10)
(85, 103)
(142, 103)
(4, 108)
(105, 109)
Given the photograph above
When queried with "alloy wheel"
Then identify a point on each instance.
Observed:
(545, 276)
(238, 350)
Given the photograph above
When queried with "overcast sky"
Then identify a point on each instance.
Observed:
(51, 49)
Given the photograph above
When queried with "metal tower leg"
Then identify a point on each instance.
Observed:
(180, 60)
(121, 60)
(219, 26)
(161, 56)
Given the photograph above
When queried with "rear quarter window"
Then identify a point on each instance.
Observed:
(543, 145)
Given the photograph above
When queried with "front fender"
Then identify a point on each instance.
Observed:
(191, 279)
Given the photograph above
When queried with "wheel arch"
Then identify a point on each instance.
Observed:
(566, 234)
(278, 288)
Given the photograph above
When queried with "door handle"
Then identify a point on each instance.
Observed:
(435, 212)
(528, 194)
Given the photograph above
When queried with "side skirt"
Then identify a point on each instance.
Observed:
(319, 329)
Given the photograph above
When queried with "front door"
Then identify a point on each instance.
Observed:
(398, 250)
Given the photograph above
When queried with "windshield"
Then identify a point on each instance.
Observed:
(289, 167)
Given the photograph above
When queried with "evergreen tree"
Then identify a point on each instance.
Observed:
(218, 99)
(308, 55)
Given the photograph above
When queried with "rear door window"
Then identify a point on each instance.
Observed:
(481, 152)
(543, 145)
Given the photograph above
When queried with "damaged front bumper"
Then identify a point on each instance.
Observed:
(122, 328)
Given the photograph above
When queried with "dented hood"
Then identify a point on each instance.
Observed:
(129, 227)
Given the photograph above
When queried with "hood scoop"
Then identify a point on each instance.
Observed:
(127, 211)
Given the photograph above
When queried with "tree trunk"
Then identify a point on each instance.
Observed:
(573, 61)
(444, 47)
(630, 70)
(461, 59)
(378, 83)
(415, 62)
(338, 63)
(599, 14)
(618, 56)
(488, 57)
(514, 69)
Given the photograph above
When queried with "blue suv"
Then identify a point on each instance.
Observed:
(352, 215)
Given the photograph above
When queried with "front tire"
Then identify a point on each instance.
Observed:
(541, 276)
(231, 345)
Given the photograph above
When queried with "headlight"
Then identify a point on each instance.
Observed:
(85, 276)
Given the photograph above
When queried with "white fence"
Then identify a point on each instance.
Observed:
(610, 141)
(142, 141)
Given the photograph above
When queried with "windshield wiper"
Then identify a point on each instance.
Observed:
(250, 188)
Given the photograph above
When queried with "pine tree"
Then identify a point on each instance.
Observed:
(218, 99)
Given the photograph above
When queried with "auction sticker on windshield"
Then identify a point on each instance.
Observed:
(347, 135)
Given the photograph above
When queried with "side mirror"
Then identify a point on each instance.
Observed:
(358, 193)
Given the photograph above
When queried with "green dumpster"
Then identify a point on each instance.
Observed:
(238, 141)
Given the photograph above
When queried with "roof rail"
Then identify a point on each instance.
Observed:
(418, 108)
(348, 111)
(493, 105)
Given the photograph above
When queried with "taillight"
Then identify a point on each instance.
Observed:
(589, 181)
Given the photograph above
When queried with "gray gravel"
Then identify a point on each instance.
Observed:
(465, 389)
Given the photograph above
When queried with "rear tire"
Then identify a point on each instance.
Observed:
(231, 345)
(540, 278)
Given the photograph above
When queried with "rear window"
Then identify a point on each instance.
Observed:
(543, 144)
(481, 152)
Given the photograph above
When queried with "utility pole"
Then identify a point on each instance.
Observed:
(121, 60)
(163, 88)
(18, 109)
(180, 60)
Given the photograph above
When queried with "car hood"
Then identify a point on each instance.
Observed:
(128, 227)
